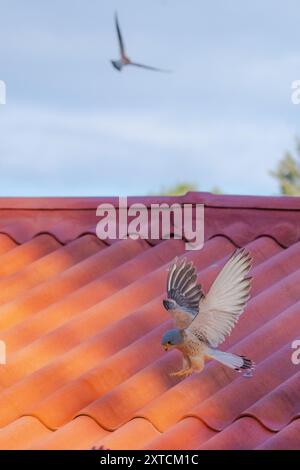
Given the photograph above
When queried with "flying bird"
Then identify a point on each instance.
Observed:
(201, 322)
(124, 59)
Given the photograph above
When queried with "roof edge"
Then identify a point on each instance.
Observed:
(208, 199)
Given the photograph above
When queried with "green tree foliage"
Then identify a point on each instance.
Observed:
(287, 173)
(179, 189)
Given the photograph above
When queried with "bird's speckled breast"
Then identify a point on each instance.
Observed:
(192, 346)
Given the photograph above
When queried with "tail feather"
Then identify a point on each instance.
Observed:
(238, 363)
(247, 363)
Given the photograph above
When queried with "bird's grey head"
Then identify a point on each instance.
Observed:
(169, 304)
(172, 338)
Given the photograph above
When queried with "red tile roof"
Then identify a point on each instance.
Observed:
(82, 321)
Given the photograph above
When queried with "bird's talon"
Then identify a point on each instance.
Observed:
(181, 373)
(174, 374)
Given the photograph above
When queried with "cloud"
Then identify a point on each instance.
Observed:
(56, 152)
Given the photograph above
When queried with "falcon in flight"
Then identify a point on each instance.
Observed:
(124, 59)
(201, 322)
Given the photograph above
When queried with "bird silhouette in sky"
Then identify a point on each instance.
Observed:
(124, 59)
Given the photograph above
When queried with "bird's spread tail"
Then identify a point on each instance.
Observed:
(238, 363)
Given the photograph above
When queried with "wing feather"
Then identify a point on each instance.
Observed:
(183, 289)
(225, 302)
(120, 38)
(149, 67)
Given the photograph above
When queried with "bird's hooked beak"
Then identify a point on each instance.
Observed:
(168, 304)
(166, 347)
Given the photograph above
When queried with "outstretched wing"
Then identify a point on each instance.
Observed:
(148, 67)
(121, 42)
(225, 302)
(182, 288)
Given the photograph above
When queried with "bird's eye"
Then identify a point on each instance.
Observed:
(169, 342)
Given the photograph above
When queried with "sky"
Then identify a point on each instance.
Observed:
(74, 126)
